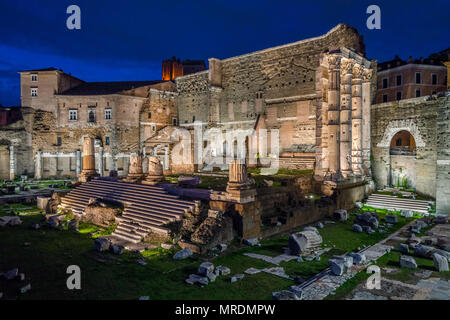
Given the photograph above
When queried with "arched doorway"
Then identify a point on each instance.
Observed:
(4, 160)
(403, 143)
(402, 151)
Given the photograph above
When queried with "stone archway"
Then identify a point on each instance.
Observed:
(401, 125)
(402, 153)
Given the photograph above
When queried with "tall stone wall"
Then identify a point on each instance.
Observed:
(419, 117)
(443, 157)
(238, 88)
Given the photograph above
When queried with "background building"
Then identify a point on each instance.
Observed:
(398, 79)
(173, 68)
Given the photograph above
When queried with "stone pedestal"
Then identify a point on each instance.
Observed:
(155, 172)
(135, 172)
(240, 187)
(88, 171)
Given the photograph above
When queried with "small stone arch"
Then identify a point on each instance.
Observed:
(396, 126)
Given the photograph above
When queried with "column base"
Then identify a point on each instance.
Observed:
(134, 177)
(88, 175)
(152, 180)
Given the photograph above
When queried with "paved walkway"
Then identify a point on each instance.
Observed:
(325, 283)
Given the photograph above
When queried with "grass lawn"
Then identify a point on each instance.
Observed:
(105, 276)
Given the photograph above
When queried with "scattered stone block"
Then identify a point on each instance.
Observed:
(337, 267)
(440, 262)
(304, 242)
(391, 218)
(423, 251)
(183, 254)
(222, 247)
(358, 258)
(237, 277)
(367, 219)
(116, 249)
(285, 295)
(320, 225)
(252, 271)
(205, 268)
(42, 202)
(251, 242)
(300, 259)
(144, 298)
(102, 244)
(211, 276)
(21, 277)
(10, 221)
(309, 228)
(357, 228)
(408, 262)
(340, 215)
(25, 289)
(358, 205)
(368, 229)
(222, 271)
(407, 213)
(347, 260)
(403, 248)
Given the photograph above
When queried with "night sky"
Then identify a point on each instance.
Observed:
(127, 40)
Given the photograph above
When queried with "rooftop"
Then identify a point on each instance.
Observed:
(110, 87)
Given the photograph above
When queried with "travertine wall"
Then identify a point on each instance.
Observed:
(443, 157)
(282, 84)
(419, 117)
(238, 88)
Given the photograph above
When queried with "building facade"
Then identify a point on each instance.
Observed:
(398, 79)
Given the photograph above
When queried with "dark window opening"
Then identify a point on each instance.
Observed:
(91, 116)
(418, 77)
(385, 97)
(149, 115)
(434, 79)
(399, 80)
(107, 141)
(385, 83)
(399, 95)
(58, 141)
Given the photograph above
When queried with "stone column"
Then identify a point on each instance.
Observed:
(333, 113)
(345, 146)
(357, 120)
(100, 161)
(38, 165)
(78, 162)
(240, 187)
(12, 163)
(88, 171)
(366, 124)
(155, 172)
(135, 172)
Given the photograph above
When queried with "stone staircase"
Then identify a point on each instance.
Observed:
(146, 208)
(382, 201)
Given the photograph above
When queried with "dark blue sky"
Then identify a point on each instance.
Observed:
(126, 40)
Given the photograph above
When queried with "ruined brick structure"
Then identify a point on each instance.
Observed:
(425, 163)
(316, 92)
